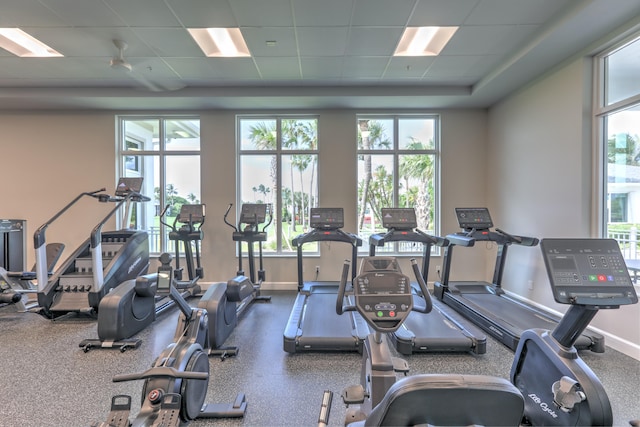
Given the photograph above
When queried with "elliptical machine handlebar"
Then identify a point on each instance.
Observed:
(340, 308)
(226, 214)
(161, 372)
(423, 288)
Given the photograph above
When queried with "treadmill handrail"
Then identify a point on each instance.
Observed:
(411, 235)
(467, 238)
(321, 235)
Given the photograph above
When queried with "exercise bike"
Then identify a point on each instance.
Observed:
(559, 388)
(135, 304)
(226, 302)
(176, 385)
(383, 297)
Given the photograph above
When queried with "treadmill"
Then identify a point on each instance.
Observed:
(313, 324)
(487, 304)
(442, 330)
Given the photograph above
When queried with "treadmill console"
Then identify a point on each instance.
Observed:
(327, 218)
(382, 293)
(474, 218)
(588, 272)
(399, 218)
(253, 213)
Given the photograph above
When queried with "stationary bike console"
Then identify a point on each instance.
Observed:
(588, 272)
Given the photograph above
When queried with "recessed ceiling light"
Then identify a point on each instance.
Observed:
(220, 41)
(22, 44)
(424, 41)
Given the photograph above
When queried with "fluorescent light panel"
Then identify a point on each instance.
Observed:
(220, 42)
(424, 41)
(22, 44)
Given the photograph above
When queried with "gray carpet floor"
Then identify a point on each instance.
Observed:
(47, 380)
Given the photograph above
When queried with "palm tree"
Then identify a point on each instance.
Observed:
(371, 134)
(420, 168)
(192, 198)
(264, 137)
(172, 191)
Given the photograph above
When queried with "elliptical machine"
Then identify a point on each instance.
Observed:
(384, 299)
(191, 219)
(176, 385)
(226, 302)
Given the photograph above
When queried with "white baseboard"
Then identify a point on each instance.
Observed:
(613, 341)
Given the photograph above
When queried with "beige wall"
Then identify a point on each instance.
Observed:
(50, 157)
(540, 175)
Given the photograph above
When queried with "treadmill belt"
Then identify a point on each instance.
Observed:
(514, 318)
(442, 330)
(321, 320)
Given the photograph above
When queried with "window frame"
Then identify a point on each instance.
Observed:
(601, 112)
(279, 152)
(162, 153)
(397, 153)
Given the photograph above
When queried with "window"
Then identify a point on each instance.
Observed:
(618, 120)
(397, 167)
(278, 163)
(165, 151)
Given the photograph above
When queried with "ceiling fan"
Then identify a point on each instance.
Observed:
(118, 62)
(151, 83)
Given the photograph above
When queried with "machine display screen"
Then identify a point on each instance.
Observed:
(399, 218)
(128, 185)
(327, 218)
(474, 218)
(253, 213)
(587, 271)
(191, 213)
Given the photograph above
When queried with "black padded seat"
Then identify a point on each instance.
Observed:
(448, 400)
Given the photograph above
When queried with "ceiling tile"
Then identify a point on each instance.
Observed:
(373, 41)
(85, 13)
(203, 13)
(272, 13)
(136, 13)
(273, 68)
(284, 38)
(326, 41)
(378, 12)
(514, 12)
(310, 13)
(442, 13)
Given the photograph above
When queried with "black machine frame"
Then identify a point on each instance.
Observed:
(316, 298)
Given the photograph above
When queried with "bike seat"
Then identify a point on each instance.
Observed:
(448, 400)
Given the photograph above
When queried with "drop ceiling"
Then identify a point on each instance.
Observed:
(306, 54)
